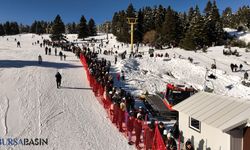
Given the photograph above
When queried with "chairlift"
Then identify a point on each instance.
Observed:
(208, 86)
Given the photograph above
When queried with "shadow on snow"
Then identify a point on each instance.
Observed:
(27, 63)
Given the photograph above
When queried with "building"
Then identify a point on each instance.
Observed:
(215, 122)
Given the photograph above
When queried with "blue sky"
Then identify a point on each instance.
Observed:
(26, 11)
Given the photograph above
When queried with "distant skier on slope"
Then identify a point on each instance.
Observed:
(58, 79)
(40, 60)
(61, 55)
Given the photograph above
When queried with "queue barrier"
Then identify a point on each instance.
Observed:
(150, 138)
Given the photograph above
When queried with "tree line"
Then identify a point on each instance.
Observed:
(159, 26)
(83, 28)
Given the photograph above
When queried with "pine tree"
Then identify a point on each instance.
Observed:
(74, 28)
(92, 27)
(194, 37)
(227, 18)
(130, 11)
(58, 29)
(213, 25)
(83, 28)
(115, 23)
(139, 27)
(2, 32)
(243, 17)
(24, 28)
(159, 18)
(171, 29)
(7, 28)
(149, 19)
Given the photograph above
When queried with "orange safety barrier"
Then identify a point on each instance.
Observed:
(144, 136)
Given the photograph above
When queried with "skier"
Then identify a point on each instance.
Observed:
(60, 54)
(64, 57)
(49, 51)
(46, 50)
(58, 79)
(39, 59)
(55, 51)
(18, 44)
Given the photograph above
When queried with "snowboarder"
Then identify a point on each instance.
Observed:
(39, 59)
(58, 79)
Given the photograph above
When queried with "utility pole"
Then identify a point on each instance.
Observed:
(107, 30)
(132, 21)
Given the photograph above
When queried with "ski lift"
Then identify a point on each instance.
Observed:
(208, 84)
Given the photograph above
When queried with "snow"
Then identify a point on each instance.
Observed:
(152, 74)
(70, 117)
(32, 107)
(244, 36)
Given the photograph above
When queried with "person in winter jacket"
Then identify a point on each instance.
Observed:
(130, 127)
(170, 143)
(189, 146)
(161, 128)
(148, 136)
(40, 59)
(58, 79)
(138, 130)
(61, 55)
(122, 114)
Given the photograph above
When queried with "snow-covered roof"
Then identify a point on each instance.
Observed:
(222, 112)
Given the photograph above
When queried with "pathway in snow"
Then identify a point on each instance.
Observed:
(32, 106)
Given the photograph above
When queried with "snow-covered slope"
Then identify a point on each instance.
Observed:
(152, 74)
(32, 107)
(244, 36)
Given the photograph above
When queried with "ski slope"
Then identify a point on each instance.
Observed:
(32, 107)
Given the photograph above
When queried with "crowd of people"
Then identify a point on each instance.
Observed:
(125, 114)
(235, 67)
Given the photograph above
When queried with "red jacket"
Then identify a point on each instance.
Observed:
(130, 124)
(138, 126)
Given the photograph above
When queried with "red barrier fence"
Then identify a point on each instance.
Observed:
(141, 134)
